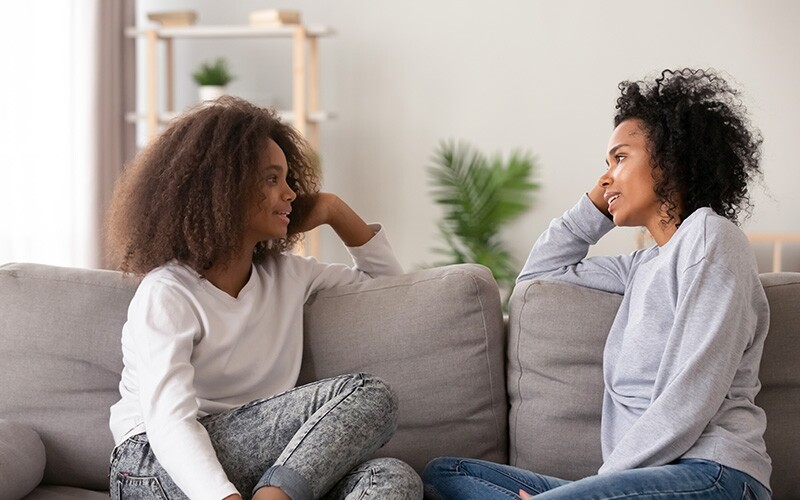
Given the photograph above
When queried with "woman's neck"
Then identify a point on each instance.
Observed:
(663, 225)
(662, 233)
(231, 276)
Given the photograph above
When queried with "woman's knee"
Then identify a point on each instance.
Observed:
(437, 474)
(381, 398)
(438, 467)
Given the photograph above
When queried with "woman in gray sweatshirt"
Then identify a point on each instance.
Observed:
(681, 361)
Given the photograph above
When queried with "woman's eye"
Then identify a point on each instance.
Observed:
(619, 158)
(273, 179)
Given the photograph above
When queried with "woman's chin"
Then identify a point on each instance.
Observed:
(620, 221)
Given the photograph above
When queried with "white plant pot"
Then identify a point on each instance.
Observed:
(210, 92)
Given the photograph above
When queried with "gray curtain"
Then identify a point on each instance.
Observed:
(106, 88)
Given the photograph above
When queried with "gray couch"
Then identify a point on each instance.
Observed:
(527, 393)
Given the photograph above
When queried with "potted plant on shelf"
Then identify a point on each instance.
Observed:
(212, 79)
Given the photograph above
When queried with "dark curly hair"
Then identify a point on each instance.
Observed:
(186, 195)
(700, 139)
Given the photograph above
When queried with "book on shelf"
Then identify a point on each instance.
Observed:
(173, 18)
(274, 17)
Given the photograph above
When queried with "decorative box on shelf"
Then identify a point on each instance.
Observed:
(173, 18)
(274, 17)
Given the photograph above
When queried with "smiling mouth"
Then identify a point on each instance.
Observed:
(612, 200)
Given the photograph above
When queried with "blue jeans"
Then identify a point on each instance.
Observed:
(311, 441)
(465, 478)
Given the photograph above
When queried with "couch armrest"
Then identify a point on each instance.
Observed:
(436, 336)
(22, 459)
(60, 362)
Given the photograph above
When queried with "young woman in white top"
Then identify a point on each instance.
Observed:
(681, 361)
(213, 341)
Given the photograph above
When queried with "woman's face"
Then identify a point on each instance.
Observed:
(269, 215)
(628, 182)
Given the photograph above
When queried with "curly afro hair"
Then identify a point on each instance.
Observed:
(703, 148)
(186, 195)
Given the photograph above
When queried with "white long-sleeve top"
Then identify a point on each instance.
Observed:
(681, 360)
(190, 349)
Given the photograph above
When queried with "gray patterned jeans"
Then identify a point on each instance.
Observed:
(310, 441)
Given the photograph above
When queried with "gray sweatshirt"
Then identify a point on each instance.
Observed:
(681, 361)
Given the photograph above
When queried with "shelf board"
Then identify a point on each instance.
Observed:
(241, 31)
(286, 116)
(313, 117)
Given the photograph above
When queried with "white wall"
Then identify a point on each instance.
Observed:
(506, 74)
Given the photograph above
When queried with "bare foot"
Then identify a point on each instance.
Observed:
(523, 495)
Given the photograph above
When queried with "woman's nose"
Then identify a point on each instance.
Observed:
(289, 195)
(604, 180)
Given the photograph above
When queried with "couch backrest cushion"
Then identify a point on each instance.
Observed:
(780, 382)
(555, 383)
(556, 336)
(60, 363)
(437, 337)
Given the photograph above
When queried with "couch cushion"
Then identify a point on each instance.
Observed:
(21, 460)
(436, 336)
(60, 363)
(555, 383)
(65, 493)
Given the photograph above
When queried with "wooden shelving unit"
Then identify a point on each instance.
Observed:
(305, 114)
(777, 241)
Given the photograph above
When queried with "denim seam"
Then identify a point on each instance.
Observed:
(300, 441)
(365, 493)
(501, 472)
(494, 487)
(140, 480)
(673, 492)
(253, 403)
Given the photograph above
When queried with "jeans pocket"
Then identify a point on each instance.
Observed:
(747, 493)
(133, 487)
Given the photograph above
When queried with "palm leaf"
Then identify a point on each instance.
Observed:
(479, 196)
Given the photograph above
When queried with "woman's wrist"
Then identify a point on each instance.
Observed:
(347, 224)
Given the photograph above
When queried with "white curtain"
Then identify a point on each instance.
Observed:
(68, 80)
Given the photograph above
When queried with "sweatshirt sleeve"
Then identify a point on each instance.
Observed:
(164, 328)
(372, 259)
(560, 252)
(715, 322)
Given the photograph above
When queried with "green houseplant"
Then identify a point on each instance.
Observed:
(212, 77)
(480, 196)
